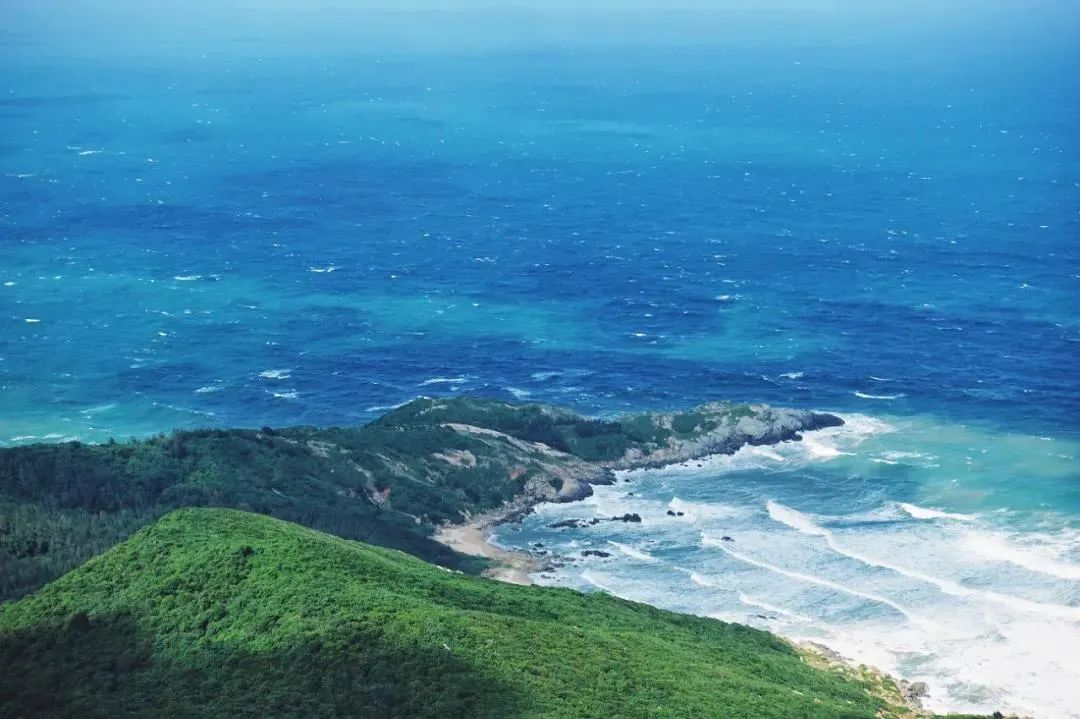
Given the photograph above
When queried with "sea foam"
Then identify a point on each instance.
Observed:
(999, 549)
(632, 552)
(918, 512)
(708, 541)
(821, 445)
(443, 380)
(803, 523)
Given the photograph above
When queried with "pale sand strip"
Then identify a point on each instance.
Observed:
(507, 566)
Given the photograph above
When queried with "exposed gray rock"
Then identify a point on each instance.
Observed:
(766, 425)
(719, 428)
(913, 692)
(830, 654)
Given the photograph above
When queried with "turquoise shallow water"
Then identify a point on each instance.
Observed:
(226, 217)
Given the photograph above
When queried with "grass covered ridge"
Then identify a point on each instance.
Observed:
(215, 612)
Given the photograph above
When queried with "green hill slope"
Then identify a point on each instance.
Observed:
(220, 613)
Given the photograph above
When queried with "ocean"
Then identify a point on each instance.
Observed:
(248, 215)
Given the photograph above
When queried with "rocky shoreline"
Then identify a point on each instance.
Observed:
(569, 479)
(566, 478)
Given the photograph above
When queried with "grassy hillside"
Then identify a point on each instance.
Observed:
(214, 612)
(387, 483)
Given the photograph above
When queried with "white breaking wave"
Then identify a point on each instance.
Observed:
(592, 579)
(802, 523)
(821, 450)
(443, 380)
(865, 395)
(755, 602)
(917, 459)
(999, 549)
(187, 278)
(89, 411)
(923, 513)
(386, 407)
(888, 512)
(699, 511)
(707, 541)
(276, 373)
(632, 552)
(794, 519)
(702, 581)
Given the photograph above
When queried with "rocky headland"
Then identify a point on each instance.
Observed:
(642, 441)
(655, 440)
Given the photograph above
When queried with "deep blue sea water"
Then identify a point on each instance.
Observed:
(255, 215)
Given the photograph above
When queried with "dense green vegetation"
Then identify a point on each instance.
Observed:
(214, 612)
(590, 439)
(61, 504)
(386, 483)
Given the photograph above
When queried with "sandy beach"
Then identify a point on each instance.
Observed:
(471, 538)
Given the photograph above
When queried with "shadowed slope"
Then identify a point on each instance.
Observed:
(212, 612)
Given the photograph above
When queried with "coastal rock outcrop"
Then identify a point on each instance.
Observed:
(561, 455)
(722, 428)
(632, 517)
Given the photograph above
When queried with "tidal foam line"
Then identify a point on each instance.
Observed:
(802, 523)
(810, 579)
(632, 552)
(755, 602)
(998, 549)
(918, 512)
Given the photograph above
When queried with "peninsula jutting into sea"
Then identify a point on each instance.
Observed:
(515, 359)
